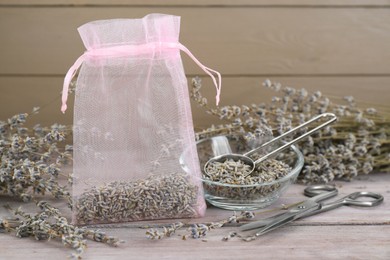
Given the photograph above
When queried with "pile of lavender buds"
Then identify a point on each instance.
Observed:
(356, 144)
(154, 197)
(231, 179)
(237, 172)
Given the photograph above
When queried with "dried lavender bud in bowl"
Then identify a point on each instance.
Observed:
(230, 171)
(238, 173)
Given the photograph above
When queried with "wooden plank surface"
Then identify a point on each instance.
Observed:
(207, 3)
(235, 41)
(293, 242)
(344, 233)
(339, 51)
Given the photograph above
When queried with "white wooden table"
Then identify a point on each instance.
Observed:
(344, 233)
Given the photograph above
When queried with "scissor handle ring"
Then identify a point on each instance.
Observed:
(315, 190)
(352, 199)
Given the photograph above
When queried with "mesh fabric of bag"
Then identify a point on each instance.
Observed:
(132, 122)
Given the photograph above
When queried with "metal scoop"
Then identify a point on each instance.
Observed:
(248, 161)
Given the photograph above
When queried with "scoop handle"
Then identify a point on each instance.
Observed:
(286, 145)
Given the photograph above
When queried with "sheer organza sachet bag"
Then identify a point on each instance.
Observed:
(132, 122)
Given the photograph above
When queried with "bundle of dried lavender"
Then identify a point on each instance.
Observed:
(356, 144)
(49, 224)
(31, 158)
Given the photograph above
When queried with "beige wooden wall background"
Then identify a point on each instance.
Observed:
(340, 47)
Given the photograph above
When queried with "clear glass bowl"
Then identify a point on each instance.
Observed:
(245, 197)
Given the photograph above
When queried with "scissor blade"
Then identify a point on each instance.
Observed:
(280, 221)
(266, 221)
(260, 223)
(274, 225)
(296, 212)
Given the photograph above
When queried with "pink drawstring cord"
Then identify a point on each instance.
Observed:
(134, 49)
(68, 78)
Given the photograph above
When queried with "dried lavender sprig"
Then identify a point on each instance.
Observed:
(165, 231)
(237, 117)
(8, 224)
(49, 224)
(200, 230)
(197, 230)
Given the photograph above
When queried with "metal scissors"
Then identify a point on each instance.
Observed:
(313, 206)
